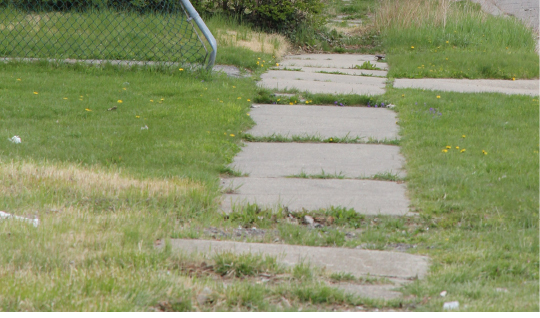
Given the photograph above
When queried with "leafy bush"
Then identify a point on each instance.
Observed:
(276, 15)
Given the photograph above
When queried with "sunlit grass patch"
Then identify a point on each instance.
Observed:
(425, 38)
(483, 201)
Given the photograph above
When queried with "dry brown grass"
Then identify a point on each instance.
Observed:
(270, 43)
(18, 176)
(416, 13)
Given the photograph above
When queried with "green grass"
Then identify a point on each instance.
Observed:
(485, 206)
(367, 66)
(318, 139)
(462, 43)
(61, 114)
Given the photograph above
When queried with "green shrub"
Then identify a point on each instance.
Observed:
(275, 15)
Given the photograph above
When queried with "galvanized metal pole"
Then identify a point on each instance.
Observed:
(193, 14)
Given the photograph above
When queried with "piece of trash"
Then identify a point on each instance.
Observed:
(4, 215)
(501, 290)
(15, 139)
(309, 220)
(144, 128)
(443, 293)
(451, 305)
(112, 108)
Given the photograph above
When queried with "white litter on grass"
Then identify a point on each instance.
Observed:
(4, 215)
(15, 139)
(452, 305)
(144, 128)
(443, 293)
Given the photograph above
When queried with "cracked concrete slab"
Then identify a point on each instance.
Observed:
(364, 196)
(316, 87)
(324, 121)
(323, 83)
(357, 262)
(346, 71)
(521, 87)
(331, 60)
(261, 159)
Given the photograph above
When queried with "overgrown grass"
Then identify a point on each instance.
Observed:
(318, 139)
(483, 195)
(425, 38)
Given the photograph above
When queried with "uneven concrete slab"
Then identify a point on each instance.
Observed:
(357, 262)
(348, 71)
(370, 291)
(331, 60)
(323, 121)
(521, 87)
(321, 87)
(323, 83)
(261, 159)
(364, 196)
(323, 77)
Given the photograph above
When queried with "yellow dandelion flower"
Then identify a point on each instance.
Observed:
(402, 95)
(119, 101)
(258, 58)
(88, 110)
(445, 150)
(152, 100)
(412, 47)
(19, 79)
(447, 42)
(232, 135)
(262, 65)
(247, 114)
(291, 104)
(137, 116)
(249, 100)
(123, 88)
(448, 147)
(462, 150)
(162, 99)
(35, 93)
(307, 102)
(65, 98)
(438, 96)
(463, 136)
(484, 152)
(279, 99)
(234, 87)
(277, 64)
(180, 69)
(513, 78)
(239, 98)
(457, 147)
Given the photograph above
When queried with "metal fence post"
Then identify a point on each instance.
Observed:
(193, 14)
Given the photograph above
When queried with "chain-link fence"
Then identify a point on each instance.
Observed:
(146, 31)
